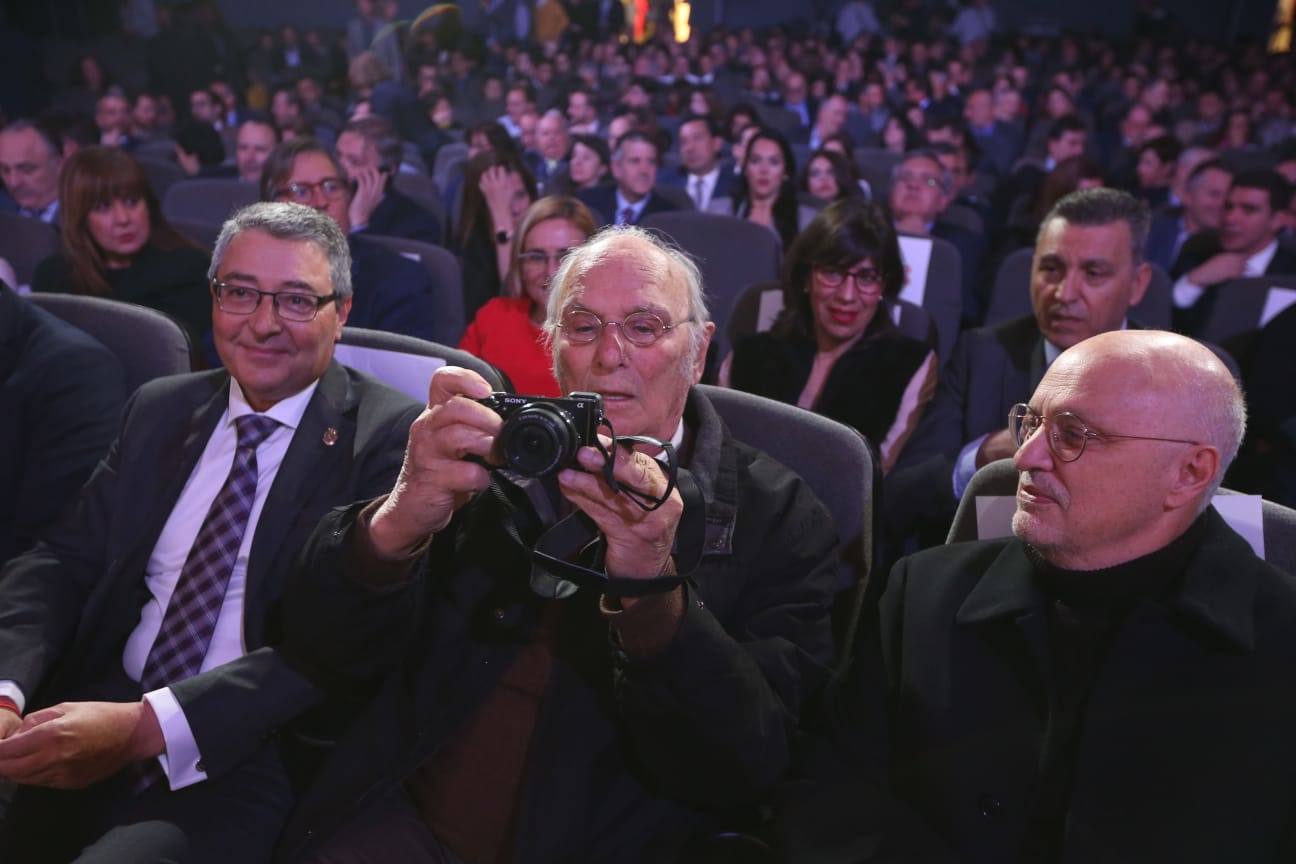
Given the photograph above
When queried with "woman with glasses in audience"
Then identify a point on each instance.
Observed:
(117, 245)
(498, 188)
(766, 192)
(507, 330)
(834, 349)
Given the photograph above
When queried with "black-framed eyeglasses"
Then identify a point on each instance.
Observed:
(289, 305)
(537, 259)
(867, 279)
(639, 328)
(1067, 433)
(332, 187)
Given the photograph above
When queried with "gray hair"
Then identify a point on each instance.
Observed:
(1103, 206)
(666, 262)
(290, 222)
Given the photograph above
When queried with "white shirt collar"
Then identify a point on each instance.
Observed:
(287, 411)
(1052, 351)
(622, 203)
(1258, 263)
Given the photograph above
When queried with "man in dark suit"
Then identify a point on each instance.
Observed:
(1066, 139)
(62, 394)
(1086, 274)
(158, 583)
(391, 293)
(634, 168)
(921, 190)
(549, 160)
(1000, 143)
(600, 726)
(701, 174)
(1114, 681)
(1202, 209)
(1255, 211)
(30, 161)
(370, 152)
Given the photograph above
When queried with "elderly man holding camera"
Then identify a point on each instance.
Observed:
(614, 700)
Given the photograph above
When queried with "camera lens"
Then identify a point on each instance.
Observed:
(539, 440)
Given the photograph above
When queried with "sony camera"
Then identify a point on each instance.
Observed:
(541, 435)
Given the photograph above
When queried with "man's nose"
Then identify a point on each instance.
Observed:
(265, 319)
(609, 350)
(1034, 453)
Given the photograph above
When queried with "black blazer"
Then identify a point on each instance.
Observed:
(391, 292)
(398, 215)
(68, 606)
(1196, 250)
(61, 395)
(603, 200)
(1185, 753)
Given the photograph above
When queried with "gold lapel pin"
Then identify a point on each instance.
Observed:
(330, 436)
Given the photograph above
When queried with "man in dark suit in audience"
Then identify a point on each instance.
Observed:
(634, 168)
(701, 173)
(1202, 209)
(1113, 682)
(62, 394)
(30, 161)
(548, 161)
(139, 704)
(1087, 272)
(921, 190)
(369, 150)
(1066, 139)
(1000, 143)
(392, 293)
(1246, 244)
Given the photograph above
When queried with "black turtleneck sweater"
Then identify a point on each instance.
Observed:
(1085, 609)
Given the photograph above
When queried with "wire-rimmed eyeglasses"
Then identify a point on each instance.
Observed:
(1067, 433)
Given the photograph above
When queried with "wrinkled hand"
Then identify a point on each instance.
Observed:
(997, 445)
(498, 192)
(368, 195)
(1219, 268)
(9, 723)
(435, 480)
(638, 543)
(74, 744)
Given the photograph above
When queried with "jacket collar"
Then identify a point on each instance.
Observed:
(1217, 590)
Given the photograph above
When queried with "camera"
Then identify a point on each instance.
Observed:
(541, 435)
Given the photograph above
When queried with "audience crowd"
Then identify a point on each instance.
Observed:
(974, 245)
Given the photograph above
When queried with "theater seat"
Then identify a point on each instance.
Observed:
(406, 363)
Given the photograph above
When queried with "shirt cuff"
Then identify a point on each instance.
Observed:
(11, 690)
(181, 762)
(966, 465)
(1186, 293)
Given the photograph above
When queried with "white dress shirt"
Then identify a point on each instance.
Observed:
(702, 186)
(636, 209)
(1186, 293)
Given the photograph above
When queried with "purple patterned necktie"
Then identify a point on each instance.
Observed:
(627, 216)
(190, 619)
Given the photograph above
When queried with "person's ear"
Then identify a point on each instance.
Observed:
(1142, 277)
(699, 359)
(1194, 473)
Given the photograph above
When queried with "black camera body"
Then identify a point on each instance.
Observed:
(541, 434)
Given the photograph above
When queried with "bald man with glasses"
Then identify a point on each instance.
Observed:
(1111, 683)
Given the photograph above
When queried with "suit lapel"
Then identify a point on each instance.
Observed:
(310, 463)
(177, 457)
(1037, 366)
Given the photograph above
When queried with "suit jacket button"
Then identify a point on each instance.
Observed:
(498, 615)
(990, 807)
(199, 766)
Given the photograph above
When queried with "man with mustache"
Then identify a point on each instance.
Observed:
(1112, 683)
(1087, 272)
(604, 718)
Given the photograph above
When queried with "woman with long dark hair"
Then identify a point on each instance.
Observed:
(833, 349)
(498, 188)
(117, 244)
(766, 191)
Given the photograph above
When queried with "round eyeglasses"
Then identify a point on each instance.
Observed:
(298, 306)
(1067, 433)
(639, 328)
